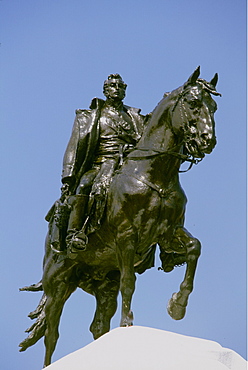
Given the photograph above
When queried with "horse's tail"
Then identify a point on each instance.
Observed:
(32, 288)
(37, 330)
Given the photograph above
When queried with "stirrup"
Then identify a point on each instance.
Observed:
(55, 246)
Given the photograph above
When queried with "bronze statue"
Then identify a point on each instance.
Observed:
(120, 199)
(101, 138)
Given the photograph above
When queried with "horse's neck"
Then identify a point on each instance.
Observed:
(158, 134)
(160, 145)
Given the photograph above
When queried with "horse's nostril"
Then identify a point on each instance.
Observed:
(205, 136)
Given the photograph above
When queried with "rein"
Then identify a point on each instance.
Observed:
(159, 190)
(183, 157)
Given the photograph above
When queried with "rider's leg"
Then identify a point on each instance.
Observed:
(79, 212)
(79, 203)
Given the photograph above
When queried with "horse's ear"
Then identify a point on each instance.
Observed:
(192, 79)
(214, 80)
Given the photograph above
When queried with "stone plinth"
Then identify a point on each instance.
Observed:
(141, 348)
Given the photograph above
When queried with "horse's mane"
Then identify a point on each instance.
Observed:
(207, 86)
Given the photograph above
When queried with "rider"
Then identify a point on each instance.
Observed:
(101, 137)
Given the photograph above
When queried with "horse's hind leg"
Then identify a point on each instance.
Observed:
(53, 310)
(177, 304)
(106, 293)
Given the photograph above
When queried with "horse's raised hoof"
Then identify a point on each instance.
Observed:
(176, 310)
(128, 320)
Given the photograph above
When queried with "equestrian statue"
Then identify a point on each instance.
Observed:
(120, 200)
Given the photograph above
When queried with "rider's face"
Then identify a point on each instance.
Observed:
(115, 89)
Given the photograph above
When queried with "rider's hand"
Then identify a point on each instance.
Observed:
(65, 190)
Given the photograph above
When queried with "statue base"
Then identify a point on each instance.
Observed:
(143, 348)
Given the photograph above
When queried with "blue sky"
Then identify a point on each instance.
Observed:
(55, 56)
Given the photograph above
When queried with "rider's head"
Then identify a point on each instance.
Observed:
(114, 87)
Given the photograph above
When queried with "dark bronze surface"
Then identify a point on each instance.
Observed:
(121, 197)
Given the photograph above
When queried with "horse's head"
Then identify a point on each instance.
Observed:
(192, 115)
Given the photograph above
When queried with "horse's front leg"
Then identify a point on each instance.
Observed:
(127, 282)
(177, 304)
(106, 293)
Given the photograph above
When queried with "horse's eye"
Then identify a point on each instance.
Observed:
(194, 104)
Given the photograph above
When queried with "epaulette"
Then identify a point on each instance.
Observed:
(136, 110)
(96, 103)
(78, 111)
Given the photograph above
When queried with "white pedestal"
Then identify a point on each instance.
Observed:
(141, 348)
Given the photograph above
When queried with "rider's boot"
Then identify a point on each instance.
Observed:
(76, 238)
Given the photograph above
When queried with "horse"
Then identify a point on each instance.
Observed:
(145, 209)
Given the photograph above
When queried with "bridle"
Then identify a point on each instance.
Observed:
(187, 137)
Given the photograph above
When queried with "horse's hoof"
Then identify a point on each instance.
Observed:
(175, 310)
(128, 320)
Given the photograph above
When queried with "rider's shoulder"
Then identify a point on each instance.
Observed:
(80, 111)
(132, 109)
(96, 103)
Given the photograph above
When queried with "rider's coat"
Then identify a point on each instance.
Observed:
(90, 136)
